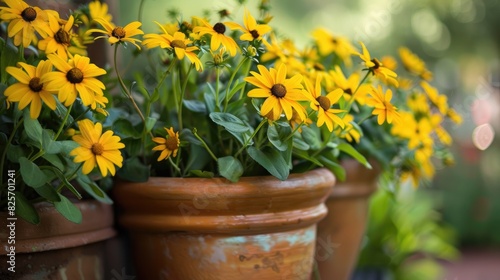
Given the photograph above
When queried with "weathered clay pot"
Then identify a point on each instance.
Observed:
(57, 248)
(341, 231)
(195, 228)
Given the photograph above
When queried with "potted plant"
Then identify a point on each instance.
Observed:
(55, 206)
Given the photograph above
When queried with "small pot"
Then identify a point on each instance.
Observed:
(198, 228)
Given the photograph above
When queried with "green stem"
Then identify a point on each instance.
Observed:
(125, 89)
(354, 93)
(141, 6)
(245, 73)
(298, 127)
(195, 132)
(365, 118)
(217, 81)
(174, 165)
(79, 117)
(226, 101)
(183, 91)
(4, 153)
(63, 122)
(251, 137)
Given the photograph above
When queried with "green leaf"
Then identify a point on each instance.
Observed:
(8, 57)
(155, 96)
(47, 191)
(68, 210)
(311, 137)
(236, 88)
(328, 160)
(15, 152)
(61, 112)
(134, 171)
(125, 129)
(55, 161)
(277, 134)
(49, 145)
(150, 123)
(198, 157)
(93, 189)
(348, 149)
(234, 125)
(31, 173)
(201, 174)
(67, 146)
(195, 106)
(230, 168)
(25, 209)
(209, 101)
(32, 127)
(271, 160)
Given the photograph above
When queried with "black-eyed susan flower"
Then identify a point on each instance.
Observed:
(377, 68)
(328, 43)
(76, 76)
(282, 94)
(59, 40)
(350, 86)
(177, 43)
(217, 35)
(97, 148)
(118, 34)
(169, 146)
(97, 10)
(385, 111)
(251, 30)
(23, 21)
(323, 105)
(30, 90)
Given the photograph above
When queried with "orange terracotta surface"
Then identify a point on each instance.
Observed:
(194, 228)
(341, 232)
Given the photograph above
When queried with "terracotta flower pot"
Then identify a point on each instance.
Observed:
(57, 248)
(340, 233)
(195, 228)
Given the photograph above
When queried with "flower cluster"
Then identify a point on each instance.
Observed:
(255, 103)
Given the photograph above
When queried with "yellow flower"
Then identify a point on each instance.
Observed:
(252, 30)
(23, 21)
(273, 50)
(350, 132)
(59, 40)
(167, 145)
(454, 116)
(76, 76)
(350, 86)
(177, 43)
(418, 102)
(117, 34)
(99, 10)
(323, 105)
(382, 103)
(30, 89)
(327, 44)
(414, 64)
(97, 148)
(377, 68)
(282, 94)
(217, 35)
(438, 100)
(389, 62)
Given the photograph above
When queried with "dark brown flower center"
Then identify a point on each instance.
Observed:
(75, 76)
(278, 90)
(348, 91)
(97, 149)
(324, 102)
(62, 37)
(178, 44)
(172, 143)
(376, 62)
(28, 14)
(319, 67)
(219, 28)
(334, 41)
(255, 34)
(118, 32)
(35, 84)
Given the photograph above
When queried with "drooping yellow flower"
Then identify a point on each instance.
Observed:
(167, 145)
(350, 132)
(438, 100)
(118, 34)
(273, 50)
(414, 64)
(24, 21)
(385, 111)
(59, 40)
(99, 10)
(377, 68)
(97, 148)
(30, 89)
(350, 86)
(454, 116)
(328, 43)
(178, 43)
(252, 30)
(323, 105)
(75, 77)
(282, 94)
(217, 35)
